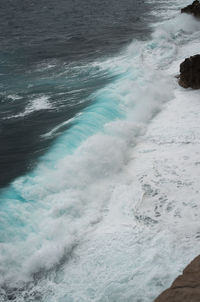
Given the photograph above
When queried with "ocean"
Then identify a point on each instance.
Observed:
(80, 81)
(50, 56)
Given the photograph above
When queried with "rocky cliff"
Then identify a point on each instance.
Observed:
(186, 288)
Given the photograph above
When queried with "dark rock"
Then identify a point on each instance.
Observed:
(193, 9)
(186, 288)
(190, 72)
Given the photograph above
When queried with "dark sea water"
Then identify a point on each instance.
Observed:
(45, 79)
(79, 82)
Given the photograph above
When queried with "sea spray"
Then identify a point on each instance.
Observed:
(69, 229)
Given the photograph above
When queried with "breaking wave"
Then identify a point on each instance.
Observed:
(69, 230)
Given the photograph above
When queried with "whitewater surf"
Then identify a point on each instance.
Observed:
(91, 221)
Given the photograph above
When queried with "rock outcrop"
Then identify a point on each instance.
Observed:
(193, 9)
(186, 288)
(190, 72)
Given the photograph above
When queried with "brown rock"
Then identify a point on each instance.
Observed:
(186, 288)
(193, 9)
(190, 72)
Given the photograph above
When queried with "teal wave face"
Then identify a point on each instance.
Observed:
(48, 212)
(25, 194)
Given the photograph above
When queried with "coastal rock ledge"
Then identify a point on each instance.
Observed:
(190, 72)
(193, 9)
(186, 288)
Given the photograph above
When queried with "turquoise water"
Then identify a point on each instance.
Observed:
(55, 244)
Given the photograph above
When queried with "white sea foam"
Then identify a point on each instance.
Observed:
(40, 103)
(55, 130)
(109, 222)
(14, 97)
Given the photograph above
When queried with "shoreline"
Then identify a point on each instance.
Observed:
(127, 199)
(169, 176)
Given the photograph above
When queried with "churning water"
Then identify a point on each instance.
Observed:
(80, 80)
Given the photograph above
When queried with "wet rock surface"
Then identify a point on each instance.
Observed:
(193, 9)
(186, 287)
(190, 72)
